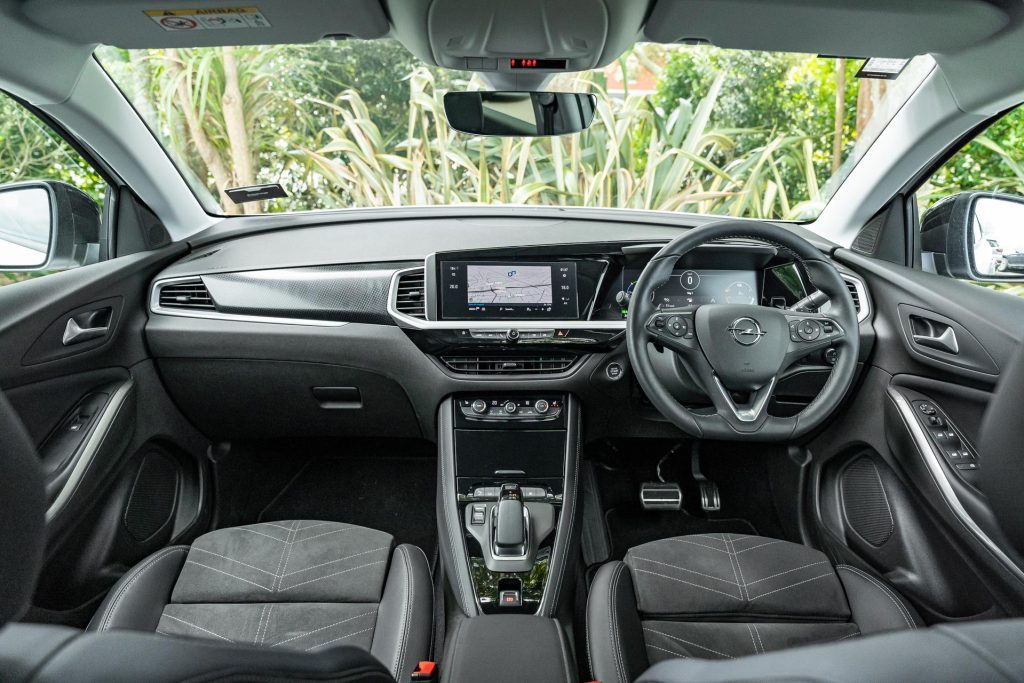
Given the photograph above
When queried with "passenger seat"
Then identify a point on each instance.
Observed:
(300, 585)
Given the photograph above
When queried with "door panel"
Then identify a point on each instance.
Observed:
(126, 472)
(916, 420)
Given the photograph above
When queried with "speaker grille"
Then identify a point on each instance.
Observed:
(865, 502)
(151, 502)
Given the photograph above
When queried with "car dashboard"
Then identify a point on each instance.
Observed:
(359, 341)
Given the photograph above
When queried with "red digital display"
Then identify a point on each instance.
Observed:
(534, 63)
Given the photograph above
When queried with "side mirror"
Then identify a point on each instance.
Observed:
(976, 236)
(511, 113)
(47, 225)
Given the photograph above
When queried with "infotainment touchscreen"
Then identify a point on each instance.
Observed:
(509, 291)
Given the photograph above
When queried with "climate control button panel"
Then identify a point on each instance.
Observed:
(511, 408)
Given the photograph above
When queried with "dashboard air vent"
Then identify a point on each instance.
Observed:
(186, 294)
(410, 298)
(852, 286)
(509, 365)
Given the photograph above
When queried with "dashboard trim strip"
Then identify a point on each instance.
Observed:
(156, 308)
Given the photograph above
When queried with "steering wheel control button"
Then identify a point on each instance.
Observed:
(613, 371)
(659, 322)
(808, 330)
(677, 326)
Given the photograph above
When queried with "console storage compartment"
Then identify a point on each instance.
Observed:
(508, 648)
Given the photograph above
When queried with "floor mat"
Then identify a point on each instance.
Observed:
(392, 494)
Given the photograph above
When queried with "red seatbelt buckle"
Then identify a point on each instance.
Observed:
(425, 671)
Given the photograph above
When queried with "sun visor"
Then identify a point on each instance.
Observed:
(880, 28)
(198, 23)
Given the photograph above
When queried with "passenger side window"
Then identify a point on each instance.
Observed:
(972, 210)
(51, 199)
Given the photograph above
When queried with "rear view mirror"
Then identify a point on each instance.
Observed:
(47, 225)
(976, 236)
(519, 113)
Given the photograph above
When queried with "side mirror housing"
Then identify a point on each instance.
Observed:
(976, 236)
(48, 225)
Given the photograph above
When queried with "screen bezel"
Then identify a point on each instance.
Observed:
(464, 314)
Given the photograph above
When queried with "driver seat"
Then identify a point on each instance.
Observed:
(720, 596)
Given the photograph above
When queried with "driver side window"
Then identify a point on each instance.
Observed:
(47, 191)
(972, 209)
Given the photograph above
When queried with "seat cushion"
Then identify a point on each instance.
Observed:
(721, 596)
(296, 561)
(301, 585)
(732, 575)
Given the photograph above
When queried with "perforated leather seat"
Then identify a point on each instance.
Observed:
(720, 596)
(296, 585)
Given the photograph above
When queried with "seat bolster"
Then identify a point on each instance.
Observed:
(404, 628)
(875, 607)
(615, 639)
(137, 600)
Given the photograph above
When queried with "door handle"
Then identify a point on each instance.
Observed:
(946, 341)
(86, 326)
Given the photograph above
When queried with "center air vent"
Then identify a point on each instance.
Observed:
(509, 365)
(410, 297)
(852, 286)
(186, 294)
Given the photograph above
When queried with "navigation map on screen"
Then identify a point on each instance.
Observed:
(508, 285)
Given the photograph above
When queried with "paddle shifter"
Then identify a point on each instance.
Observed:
(510, 525)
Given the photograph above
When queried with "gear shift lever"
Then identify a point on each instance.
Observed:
(509, 522)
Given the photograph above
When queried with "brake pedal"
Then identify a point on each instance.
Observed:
(710, 498)
(661, 495)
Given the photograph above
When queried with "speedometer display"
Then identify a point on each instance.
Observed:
(696, 287)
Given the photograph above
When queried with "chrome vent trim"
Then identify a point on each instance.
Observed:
(190, 293)
(158, 306)
(860, 296)
(491, 365)
(410, 294)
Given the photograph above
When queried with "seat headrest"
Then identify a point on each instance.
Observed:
(22, 515)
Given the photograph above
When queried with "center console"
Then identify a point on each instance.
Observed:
(507, 507)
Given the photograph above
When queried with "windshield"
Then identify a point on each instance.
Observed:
(361, 124)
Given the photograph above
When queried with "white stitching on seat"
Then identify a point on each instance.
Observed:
(231, 559)
(752, 641)
(340, 559)
(326, 533)
(760, 545)
(324, 628)
(792, 585)
(689, 583)
(109, 616)
(788, 571)
(743, 590)
(260, 533)
(683, 640)
(675, 566)
(221, 571)
(759, 637)
(321, 578)
(259, 625)
(702, 545)
(671, 652)
(885, 591)
(313, 647)
(197, 627)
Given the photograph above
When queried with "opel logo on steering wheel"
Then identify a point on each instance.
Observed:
(746, 331)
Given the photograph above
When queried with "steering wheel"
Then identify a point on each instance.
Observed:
(737, 352)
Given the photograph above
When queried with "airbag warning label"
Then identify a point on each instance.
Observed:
(208, 19)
